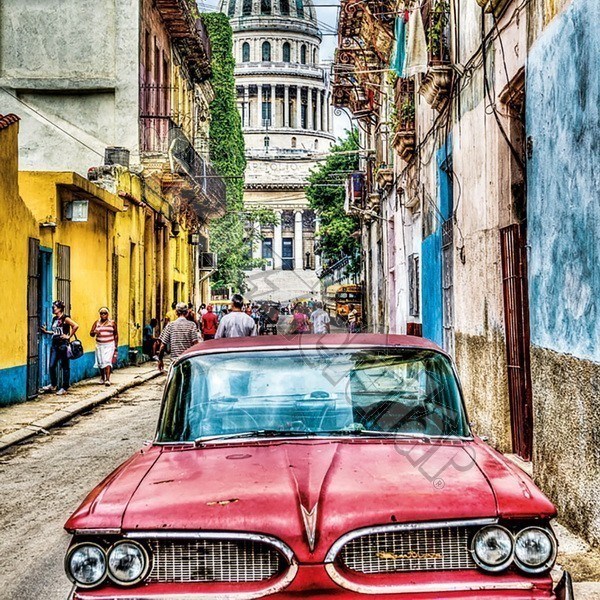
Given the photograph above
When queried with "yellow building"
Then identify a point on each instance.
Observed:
(64, 237)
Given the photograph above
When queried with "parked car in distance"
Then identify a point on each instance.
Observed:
(311, 467)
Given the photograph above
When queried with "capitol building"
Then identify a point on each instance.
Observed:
(283, 97)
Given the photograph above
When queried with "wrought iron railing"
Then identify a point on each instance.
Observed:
(436, 15)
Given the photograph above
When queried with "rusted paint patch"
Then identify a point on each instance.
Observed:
(222, 502)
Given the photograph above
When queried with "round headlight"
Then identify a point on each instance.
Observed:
(128, 563)
(535, 549)
(86, 565)
(492, 548)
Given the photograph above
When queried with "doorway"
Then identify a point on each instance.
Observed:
(287, 254)
(45, 312)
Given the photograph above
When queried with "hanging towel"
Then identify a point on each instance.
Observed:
(399, 55)
(416, 45)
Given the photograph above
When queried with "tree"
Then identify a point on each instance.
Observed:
(326, 195)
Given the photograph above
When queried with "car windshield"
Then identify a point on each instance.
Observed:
(313, 392)
(348, 296)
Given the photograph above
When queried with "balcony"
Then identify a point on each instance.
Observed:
(404, 139)
(493, 6)
(436, 84)
(355, 193)
(167, 149)
(188, 34)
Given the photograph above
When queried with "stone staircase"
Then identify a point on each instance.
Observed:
(282, 286)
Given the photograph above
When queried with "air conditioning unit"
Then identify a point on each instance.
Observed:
(207, 261)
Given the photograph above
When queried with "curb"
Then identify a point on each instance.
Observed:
(68, 412)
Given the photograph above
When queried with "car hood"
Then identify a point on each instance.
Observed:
(297, 489)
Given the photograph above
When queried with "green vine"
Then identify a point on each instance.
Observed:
(439, 18)
(226, 149)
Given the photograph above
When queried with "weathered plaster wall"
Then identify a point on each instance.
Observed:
(563, 121)
(71, 71)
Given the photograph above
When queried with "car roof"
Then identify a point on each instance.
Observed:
(311, 342)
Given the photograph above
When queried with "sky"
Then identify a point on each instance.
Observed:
(327, 15)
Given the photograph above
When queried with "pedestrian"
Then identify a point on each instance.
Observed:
(236, 323)
(107, 342)
(62, 329)
(210, 323)
(321, 323)
(150, 342)
(352, 319)
(171, 315)
(300, 322)
(178, 335)
(203, 309)
(191, 315)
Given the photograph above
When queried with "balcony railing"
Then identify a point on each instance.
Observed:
(164, 139)
(436, 16)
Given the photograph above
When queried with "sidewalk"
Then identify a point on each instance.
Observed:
(19, 422)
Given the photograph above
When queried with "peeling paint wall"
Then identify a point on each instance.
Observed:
(563, 120)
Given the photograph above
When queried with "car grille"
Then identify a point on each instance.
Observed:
(209, 560)
(416, 550)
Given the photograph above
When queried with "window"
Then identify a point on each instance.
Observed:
(303, 54)
(267, 142)
(266, 52)
(300, 8)
(284, 7)
(63, 275)
(286, 52)
(316, 144)
(294, 142)
(267, 248)
(247, 8)
(231, 9)
(304, 115)
(266, 106)
(265, 7)
(245, 52)
(314, 56)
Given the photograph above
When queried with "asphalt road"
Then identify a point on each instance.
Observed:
(43, 481)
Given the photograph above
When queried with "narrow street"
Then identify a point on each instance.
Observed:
(44, 481)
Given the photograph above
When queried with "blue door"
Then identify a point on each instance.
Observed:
(45, 312)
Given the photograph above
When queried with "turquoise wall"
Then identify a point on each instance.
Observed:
(563, 122)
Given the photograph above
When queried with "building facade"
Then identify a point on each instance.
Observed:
(114, 124)
(483, 238)
(284, 102)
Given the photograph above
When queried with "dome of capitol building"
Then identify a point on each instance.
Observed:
(283, 96)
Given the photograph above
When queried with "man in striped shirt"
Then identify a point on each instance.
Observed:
(178, 335)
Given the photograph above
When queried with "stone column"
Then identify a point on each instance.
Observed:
(257, 241)
(286, 106)
(309, 124)
(298, 246)
(246, 107)
(273, 107)
(317, 256)
(277, 243)
(298, 107)
(319, 123)
(259, 123)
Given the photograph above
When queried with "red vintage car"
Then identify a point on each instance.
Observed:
(314, 467)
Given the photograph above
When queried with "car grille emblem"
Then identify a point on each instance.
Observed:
(310, 525)
(412, 555)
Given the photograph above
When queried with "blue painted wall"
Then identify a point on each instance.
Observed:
(13, 381)
(563, 120)
(431, 251)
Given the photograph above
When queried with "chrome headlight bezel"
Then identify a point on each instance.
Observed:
(69, 572)
(549, 562)
(482, 563)
(147, 563)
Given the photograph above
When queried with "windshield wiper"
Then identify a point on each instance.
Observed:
(376, 433)
(255, 433)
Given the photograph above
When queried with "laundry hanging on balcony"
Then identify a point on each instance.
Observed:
(398, 63)
(416, 46)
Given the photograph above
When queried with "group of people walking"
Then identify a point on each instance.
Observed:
(183, 328)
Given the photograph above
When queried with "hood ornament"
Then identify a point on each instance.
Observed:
(310, 525)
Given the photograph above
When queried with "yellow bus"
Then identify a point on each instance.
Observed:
(338, 298)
